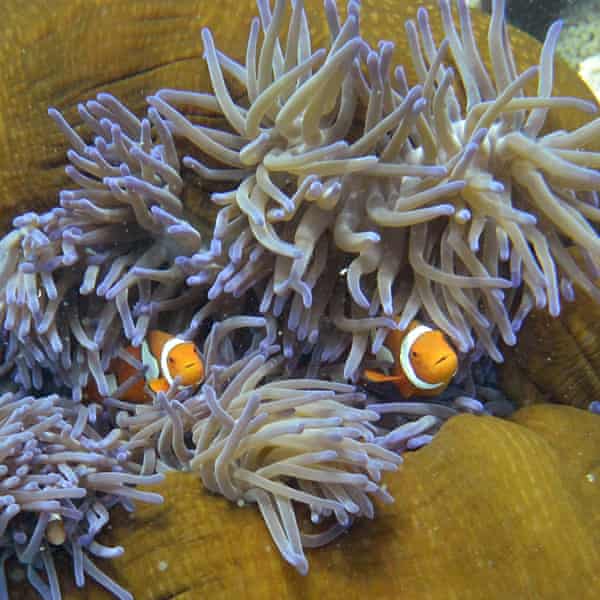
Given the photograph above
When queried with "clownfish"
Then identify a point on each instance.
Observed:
(424, 361)
(165, 357)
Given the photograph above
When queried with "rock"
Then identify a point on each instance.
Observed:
(589, 71)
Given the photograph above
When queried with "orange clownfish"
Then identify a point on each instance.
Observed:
(165, 357)
(424, 361)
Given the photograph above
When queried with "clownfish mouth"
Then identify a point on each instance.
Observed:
(443, 369)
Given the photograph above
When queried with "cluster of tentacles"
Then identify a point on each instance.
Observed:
(349, 203)
(356, 198)
(356, 204)
(60, 476)
(256, 435)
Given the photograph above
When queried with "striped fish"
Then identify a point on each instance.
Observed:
(424, 362)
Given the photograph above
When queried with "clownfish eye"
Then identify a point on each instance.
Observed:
(171, 360)
(413, 354)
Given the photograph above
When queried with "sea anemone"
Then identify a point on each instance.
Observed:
(358, 202)
(257, 436)
(350, 204)
(79, 279)
(357, 198)
(60, 478)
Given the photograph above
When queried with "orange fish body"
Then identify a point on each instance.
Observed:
(424, 361)
(165, 357)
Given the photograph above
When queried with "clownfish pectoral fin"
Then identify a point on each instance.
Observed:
(377, 377)
(160, 384)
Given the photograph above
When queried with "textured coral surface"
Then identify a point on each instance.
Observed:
(556, 360)
(490, 509)
(70, 51)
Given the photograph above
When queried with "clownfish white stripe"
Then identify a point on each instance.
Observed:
(164, 357)
(150, 362)
(405, 362)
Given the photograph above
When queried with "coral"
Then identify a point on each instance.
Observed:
(81, 279)
(526, 506)
(287, 444)
(101, 45)
(556, 360)
(471, 230)
(306, 249)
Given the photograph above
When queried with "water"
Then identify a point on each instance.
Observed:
(579, 43)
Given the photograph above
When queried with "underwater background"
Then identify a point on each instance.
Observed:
(579, 42)
(281, 322)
